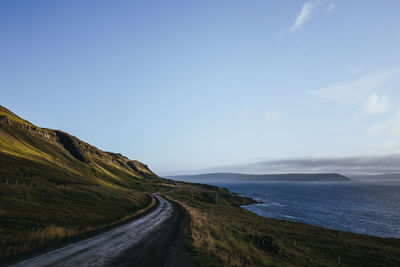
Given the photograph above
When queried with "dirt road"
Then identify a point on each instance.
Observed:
(149, 240)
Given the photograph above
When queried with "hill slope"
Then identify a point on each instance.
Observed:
(54, 185)
(221, 233)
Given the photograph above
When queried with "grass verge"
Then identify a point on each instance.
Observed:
(223, 234)
(32, 217)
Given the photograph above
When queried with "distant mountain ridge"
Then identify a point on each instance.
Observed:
(235, 177)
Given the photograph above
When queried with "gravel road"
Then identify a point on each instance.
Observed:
(125, 245)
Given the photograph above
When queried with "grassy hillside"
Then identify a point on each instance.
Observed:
(222, 234)
(53, 185)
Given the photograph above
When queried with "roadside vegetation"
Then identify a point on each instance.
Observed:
(54, 186)
(221, 233)
(32, 216)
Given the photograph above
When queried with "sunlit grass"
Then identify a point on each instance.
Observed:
(222, 234)
(11, 116)
(32, 215)
(54, 186)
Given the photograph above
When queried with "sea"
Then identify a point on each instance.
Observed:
(371, 208)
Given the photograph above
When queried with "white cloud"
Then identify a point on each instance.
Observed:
(376, 105)
(356, 70)
(307, 10)
(343, 164)
(244, 112)
(386, 147)
(271, 115)
(331, 7)
(354, 91)
(390, 126)
(386, 134)
(304, 15)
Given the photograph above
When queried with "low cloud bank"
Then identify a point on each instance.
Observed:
(343, 165)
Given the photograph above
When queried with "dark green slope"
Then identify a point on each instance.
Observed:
(53, 185)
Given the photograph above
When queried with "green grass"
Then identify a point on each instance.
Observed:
(36, 197)
(11, 116)
(225, 235)
(54, 186)
(26, 212)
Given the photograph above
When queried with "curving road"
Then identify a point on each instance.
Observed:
(107, 248)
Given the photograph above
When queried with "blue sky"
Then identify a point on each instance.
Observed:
(189, 85)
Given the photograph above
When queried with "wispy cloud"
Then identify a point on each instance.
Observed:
(345, 165)
(353, 91)
(376, 104)
(385, 147)
(303, 16)
(244, 112)
(356, 70)
(271, 115)
(390, 126)
(307, 11)
(331, 7)
(386, 133)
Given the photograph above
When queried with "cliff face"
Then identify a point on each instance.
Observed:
(54, 148)
(54, 185)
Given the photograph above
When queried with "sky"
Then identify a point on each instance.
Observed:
(194, 85)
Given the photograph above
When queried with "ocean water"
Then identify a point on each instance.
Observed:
(359, 207)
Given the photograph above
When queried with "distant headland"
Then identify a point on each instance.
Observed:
(240, 177)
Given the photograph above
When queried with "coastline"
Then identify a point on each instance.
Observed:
(222, 232)
(293, 209)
